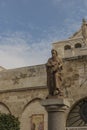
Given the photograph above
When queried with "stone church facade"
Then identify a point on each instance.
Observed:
(22, 89)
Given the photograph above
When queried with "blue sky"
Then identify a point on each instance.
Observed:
(29, 27)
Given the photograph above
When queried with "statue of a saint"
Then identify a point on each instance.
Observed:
(54, 78)
(84, 31)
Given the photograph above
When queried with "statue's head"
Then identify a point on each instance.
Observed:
(54, 53)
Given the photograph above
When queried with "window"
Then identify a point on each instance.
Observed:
(77, 116)
(67, 47)
(78, 45)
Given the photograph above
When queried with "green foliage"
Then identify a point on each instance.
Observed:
(9, 122)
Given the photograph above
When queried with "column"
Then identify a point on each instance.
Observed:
(56, 109)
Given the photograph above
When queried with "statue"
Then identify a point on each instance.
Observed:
(54, 78)
(84, 31)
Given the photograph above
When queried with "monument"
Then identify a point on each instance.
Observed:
(55, 103)
(54, 77)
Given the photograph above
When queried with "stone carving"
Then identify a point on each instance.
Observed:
(15, 80)
(84, 31)
(54, 67)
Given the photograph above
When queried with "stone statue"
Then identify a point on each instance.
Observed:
(84, 30)
(54, 78)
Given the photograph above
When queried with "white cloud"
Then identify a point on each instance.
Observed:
(16, 52)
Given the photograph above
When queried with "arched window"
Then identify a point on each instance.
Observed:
(78, 45)
(78, 114)
(67, 47)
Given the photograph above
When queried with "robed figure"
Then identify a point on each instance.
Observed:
(54, 77)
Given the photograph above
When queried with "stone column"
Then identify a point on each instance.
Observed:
(56, 109)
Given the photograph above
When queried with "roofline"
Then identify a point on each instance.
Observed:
(67, 40)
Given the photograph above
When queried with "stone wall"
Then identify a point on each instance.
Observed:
(23, 78)
(75, 78)
(21, 91)
(24, 104)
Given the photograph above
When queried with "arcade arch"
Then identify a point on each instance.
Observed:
(4, 108)
(35, 113)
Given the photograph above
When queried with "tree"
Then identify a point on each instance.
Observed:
(9, 122)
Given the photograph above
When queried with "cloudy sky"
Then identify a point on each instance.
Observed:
(29, 27)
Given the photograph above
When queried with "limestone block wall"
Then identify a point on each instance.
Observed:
(75, 78)
(23, 78)
(35, 78)
(74, 54)
(23, 104)
(21, 91)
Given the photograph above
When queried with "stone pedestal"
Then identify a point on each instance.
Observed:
(56, 113)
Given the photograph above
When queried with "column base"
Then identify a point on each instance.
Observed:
(56, 108)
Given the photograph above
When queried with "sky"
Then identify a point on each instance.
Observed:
(29, 27)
